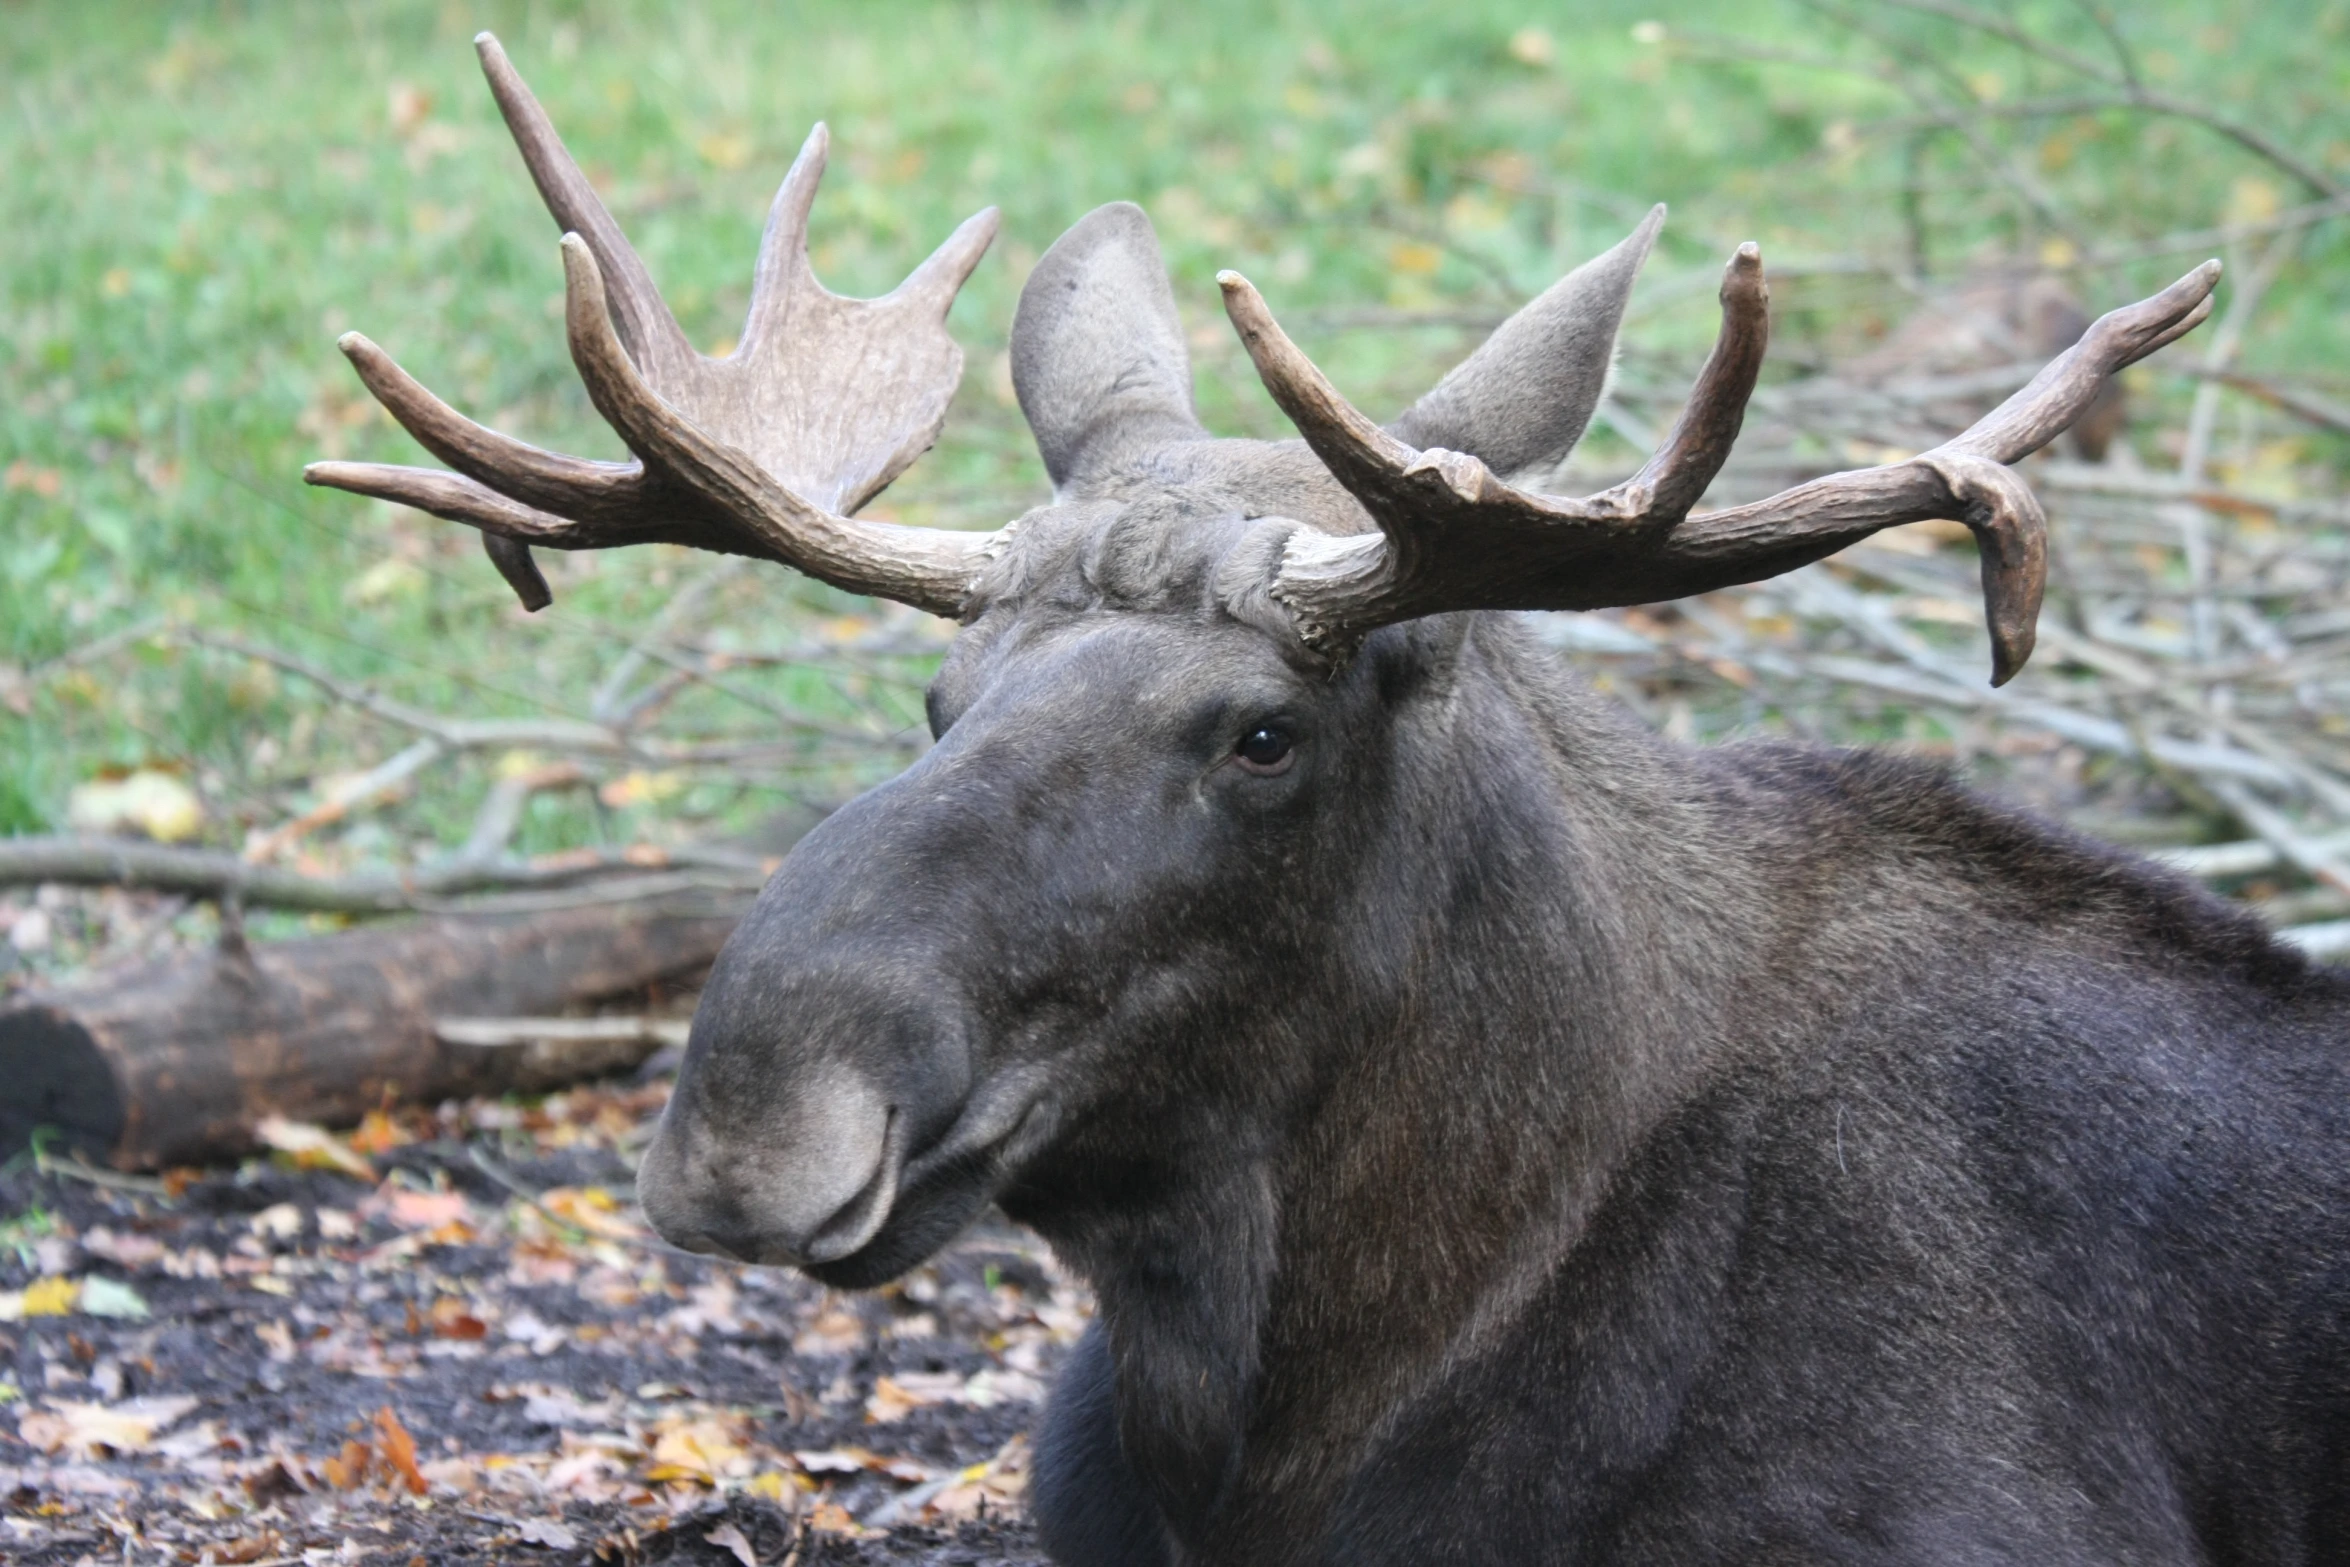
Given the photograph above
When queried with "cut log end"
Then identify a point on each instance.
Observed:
(58, 1079)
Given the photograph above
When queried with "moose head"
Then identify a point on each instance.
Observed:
(1248, 858)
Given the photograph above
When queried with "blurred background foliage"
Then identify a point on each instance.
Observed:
(201, 197)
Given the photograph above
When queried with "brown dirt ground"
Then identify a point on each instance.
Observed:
(473, 1351)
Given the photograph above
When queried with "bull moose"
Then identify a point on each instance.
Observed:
(1494, 1133)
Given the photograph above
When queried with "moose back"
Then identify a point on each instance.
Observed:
(1495, 1134)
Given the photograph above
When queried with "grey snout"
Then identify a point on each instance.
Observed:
(810, 1180)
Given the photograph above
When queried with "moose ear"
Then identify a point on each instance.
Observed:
(1521, 401)
(1097, 352)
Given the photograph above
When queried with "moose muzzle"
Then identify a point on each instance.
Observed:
(794, 1120)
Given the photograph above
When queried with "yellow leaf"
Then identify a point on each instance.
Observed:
(52, 1297)
(776, 1486)
(2253, 200)
(1415, 258)
(642, 788)
(725, 149)
(154, 803)
(592, 1209)
(700, 1451)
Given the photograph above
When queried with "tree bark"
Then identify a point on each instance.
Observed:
(175, 1062)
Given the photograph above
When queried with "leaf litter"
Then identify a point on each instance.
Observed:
(449, 1337)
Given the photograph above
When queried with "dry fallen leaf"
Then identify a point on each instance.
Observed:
(701, 1451)
(728, 1538)
(451, 1319)
(832, 1518)
(251, 1548)
(896, 1397)
(312, 1147)
(379, 1133)
(547, 1532)
(125, 1250)
(398, 1449)
(775, 1486)
(835, 1331)
(128, 1427)
(852, 1460)
(105, 1297)
(590, 1208)
(414, 1210)
(154, 803)
(348, 1469)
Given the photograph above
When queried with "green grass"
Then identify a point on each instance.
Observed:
(201, 197)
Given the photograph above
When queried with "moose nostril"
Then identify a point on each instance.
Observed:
(859, 1219)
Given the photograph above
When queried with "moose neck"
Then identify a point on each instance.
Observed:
(1537, 959)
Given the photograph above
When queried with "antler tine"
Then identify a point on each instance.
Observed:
(2042, 409)
(645, 323)
(458, 499)
(1352, 445)
(782, 269)
(1676, 477)
(944, 271)
(1454, 537)
(544, 480)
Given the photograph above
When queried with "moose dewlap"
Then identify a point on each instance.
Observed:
(1496, 1134)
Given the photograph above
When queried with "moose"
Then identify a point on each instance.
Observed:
(1494, 1132)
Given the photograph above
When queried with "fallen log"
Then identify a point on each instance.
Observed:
(175, 1062)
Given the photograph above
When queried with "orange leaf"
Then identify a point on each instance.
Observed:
(450, 1319)
(378, 1133)
(350, 1469)
(399, 1450)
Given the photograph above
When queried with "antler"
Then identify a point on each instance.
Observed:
(763, 452)
(1452, 536)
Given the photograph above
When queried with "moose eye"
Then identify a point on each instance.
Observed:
(1266, 750)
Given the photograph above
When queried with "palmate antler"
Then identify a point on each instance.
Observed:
(763, 452)
(1452, 536)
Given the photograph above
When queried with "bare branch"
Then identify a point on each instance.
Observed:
(116, 862)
